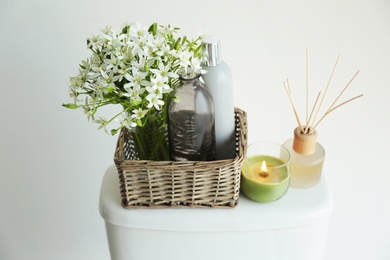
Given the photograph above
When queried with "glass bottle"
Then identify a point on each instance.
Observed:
(191, 120)
(307, 159)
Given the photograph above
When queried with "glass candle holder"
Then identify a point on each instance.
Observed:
(307, 159)
(265, 172)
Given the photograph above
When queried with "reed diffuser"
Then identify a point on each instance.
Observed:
(307, 155)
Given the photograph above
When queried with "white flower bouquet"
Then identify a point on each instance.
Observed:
(136, 69)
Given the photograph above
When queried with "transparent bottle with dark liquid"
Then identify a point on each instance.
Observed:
(191, 120)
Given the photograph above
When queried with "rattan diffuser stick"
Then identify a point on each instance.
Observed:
(307, 129)
(288, 89)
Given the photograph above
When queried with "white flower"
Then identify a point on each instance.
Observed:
(155, 90)
(165, 30)
(165, 52)
(139, 113)
(157, 43)
(164, 71)
(141, 64)
(114, 41)
(106, 30)
(136, 79)
(88, 108)
(113, 63)
(160, 82)
(134, 93)
(143, 42)
(195, 64)
(185, 58)
(127, 121)
(108, 80)
(136, 30)
(121, 71)
(94, 42)
(102, 122)
(154, 101)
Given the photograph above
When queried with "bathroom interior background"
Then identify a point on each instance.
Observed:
(53, 160)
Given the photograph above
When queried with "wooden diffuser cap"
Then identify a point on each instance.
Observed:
(304, 143)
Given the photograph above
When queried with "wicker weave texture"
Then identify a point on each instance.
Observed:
(161, 184)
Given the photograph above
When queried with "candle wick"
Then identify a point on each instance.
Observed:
(263, 174)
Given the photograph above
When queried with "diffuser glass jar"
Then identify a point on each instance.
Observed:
(305, 169)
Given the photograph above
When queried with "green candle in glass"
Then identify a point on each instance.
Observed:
(265, 172)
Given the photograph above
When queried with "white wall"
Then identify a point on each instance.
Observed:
(52, 159)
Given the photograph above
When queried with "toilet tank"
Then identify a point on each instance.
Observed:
(294, 227)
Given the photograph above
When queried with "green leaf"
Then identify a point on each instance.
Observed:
(125, 29)
(153, 29)
(176, 46)
(70, 106)
(198, 51)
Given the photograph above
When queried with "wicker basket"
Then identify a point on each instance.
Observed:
(161, 184)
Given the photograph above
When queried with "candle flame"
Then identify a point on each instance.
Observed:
(264, 167)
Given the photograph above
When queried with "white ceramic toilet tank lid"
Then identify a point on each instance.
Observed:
(299, 207)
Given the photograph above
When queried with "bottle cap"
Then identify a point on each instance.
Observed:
(304, 143)
(210, 51)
